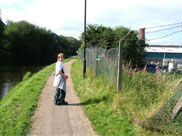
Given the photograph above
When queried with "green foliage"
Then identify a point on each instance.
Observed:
(28, 43)
(98, 35)
(143, 94)
(1, 31)
(6, 57)
(106, 37)
(73, 46)
(18, 106)
(146, 94)
(32, 45)
(27, 76)
(2, 52)
(97, 96)
(2, 26)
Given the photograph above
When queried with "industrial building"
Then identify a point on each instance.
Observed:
(169, 56)
(157, 53)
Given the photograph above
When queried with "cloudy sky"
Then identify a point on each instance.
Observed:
(66, 17)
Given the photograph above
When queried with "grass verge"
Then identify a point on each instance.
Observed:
(143, 95)
(18, 106)
(97, 96)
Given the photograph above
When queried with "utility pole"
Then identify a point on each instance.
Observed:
(84, 50)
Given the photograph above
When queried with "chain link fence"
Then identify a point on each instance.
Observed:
(102, 62)
(167, 119)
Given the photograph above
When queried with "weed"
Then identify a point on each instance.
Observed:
(143, 95)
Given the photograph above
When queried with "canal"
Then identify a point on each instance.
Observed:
(11, 76)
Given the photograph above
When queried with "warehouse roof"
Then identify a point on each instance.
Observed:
(164, 48)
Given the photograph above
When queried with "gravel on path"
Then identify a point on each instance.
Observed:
(65, 120)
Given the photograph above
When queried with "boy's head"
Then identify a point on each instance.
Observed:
(60, 57)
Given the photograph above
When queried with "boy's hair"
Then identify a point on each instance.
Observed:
(60, 55)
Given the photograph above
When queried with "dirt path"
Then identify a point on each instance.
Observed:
(67, 120)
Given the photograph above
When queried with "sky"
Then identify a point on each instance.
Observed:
(66, 17)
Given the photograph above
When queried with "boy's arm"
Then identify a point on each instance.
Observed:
(63, 75)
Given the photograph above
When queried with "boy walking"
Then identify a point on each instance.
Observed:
(60, 81)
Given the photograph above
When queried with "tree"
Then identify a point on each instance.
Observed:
(74, 44)
(29, 44)
(2, 26)
(32, 45)
(106, 37)
(98, 35)
(5, 56)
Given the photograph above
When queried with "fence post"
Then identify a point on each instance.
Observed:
(120, 58)
(96, 67)
(87, 58)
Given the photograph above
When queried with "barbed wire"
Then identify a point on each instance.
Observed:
(110, 38)
(163, 25)
(163, 29)
(157, 38)
(113, 39)
(117, 39)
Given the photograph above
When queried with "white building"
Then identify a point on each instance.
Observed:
(170, 57)
(157, 53)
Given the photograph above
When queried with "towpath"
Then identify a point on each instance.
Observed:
(67, 120)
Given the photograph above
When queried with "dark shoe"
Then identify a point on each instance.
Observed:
(63, 103)
(56, 103)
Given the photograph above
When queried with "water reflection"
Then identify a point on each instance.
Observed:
(11, 76)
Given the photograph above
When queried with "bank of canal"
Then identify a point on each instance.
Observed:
(11, 76)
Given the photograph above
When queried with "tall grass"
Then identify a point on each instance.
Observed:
(126, 113)
(97, 96)
(145, 94)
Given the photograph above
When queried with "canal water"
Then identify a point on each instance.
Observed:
(11, 76)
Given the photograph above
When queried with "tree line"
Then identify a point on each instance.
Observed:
(23, 43)
(107, 37)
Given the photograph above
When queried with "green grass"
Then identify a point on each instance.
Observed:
(18, 106)
(112, 113)
(97, 97)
